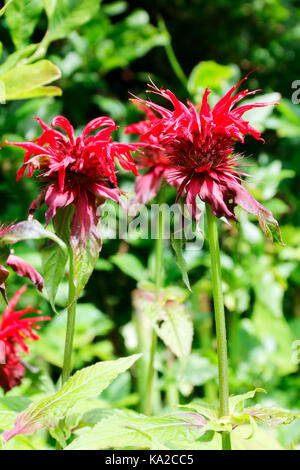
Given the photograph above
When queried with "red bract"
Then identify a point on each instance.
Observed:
(199, 145)
(17, 264)
(76, 171)
(14, 331)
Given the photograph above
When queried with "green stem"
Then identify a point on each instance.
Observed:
(67, 365)
(158, 280)
(219, 319)
(172, 57)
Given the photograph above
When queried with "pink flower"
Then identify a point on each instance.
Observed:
(14, 331)
(79, 171)
(199, 144)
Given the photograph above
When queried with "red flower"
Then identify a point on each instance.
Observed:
(14, 331)
(76, 170)
(154, 158)
(199, 144)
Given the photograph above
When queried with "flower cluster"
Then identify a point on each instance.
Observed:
(79, 171)
(198, 152)
(15, 329)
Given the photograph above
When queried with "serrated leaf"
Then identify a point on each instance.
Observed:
(128, 429)
(202, 408)
(67, 15)
(236, 402)
(170, 320)
(130, 265)
(85, 259)
(180, 261)
(28, 80)
(7, 417)
(54, 259)
(21, 17)
(29, 230)
(84, 384)
(272, 415)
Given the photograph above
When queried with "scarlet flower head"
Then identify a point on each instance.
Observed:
(15, 329)
(79, 171)
(199, 144)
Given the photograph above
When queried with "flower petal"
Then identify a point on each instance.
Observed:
(24, 269)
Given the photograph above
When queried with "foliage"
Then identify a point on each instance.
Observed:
(80, 58)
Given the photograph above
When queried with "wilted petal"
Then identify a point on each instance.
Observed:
(147, 186)
(24, 269)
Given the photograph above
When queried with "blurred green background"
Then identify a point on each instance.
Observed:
(104, 52)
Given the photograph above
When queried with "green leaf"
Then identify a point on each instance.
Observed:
(54, 261)
(67, 15)
(54, 258)
(210, 74)
(128, 429)
(16, 57)
(29, 230)
(29, 80)
(180, 261)
(84, 384)
(85, 259)
(272, 415)
(261, 440)
(21, 17)
(130, 265)
(170, 320)
(7, 417)
(236, 402)
(2, 10)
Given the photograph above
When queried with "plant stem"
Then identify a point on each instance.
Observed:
(67, 365)
(158, 279)
(219, 319)
(172, 57)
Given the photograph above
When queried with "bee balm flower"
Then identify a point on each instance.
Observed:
(78, 171)
(14, 331)
(199, 145)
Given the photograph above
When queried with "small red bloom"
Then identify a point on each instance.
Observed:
(199, 145)
(154, 158)
(14, 331)
(78, 171)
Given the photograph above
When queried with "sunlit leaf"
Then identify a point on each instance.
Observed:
(170, 320)
(29, 80)
(29, 230)
(125, 429)
(21, 17)
(54, 258)
(130, 265)
(86, 383)
(66, 15)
